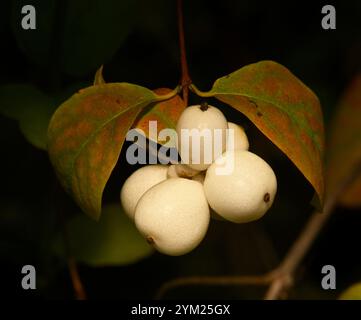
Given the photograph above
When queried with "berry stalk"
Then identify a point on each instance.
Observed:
(185, 78)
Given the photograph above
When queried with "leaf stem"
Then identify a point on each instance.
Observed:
(185, 78)
(200, 93)
(169, 95)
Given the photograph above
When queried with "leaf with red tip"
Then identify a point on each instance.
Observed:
(86, 134)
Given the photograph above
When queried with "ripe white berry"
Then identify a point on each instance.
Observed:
(173, 216)
(138, 183)
(246, 193)
(239, 136)
(202, 135)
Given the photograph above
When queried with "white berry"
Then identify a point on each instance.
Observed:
(240, 139)
(246, 193)
(196, 123)
(138, 183)
(173, 216)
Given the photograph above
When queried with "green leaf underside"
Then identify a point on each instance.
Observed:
(344, 149)
(283, 109)
(113, 241)
(86, 134)
(31, 108)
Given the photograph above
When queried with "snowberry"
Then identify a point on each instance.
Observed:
(239, 136)
(202, 135)
(246, 193)
(173, 216)
(138, 183)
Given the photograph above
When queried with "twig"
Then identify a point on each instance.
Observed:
(303, 243)
(78, 287)
(215, 281)
(185, 78)
(295, 255)
(281, 278)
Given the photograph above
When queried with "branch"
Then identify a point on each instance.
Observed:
(300, 247)
(78, 287)
(215, 281)
(185, 78)
(281, 278)
(303, 243)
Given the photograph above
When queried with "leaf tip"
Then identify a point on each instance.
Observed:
(98, 78)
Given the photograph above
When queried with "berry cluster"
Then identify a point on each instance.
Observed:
(172, 205)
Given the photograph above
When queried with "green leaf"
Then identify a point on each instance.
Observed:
(284, 109)
(31, 108)
(79, 35)
(352, 293)
(86, 134)
(344, 152)
(165, 113)
(114, 240)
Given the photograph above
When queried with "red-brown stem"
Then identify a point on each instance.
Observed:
(185, 78)
(79, 292)
(78, 287)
